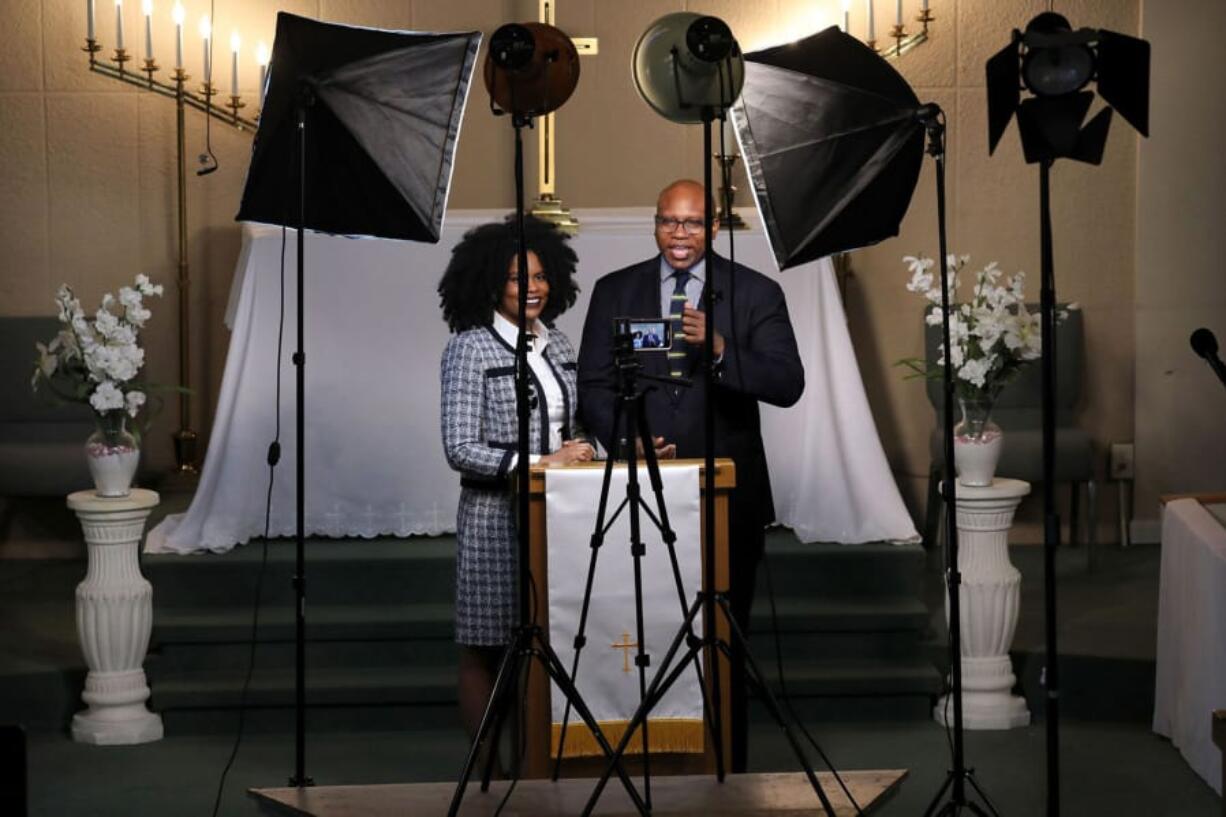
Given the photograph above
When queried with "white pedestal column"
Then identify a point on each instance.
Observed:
(989, 595)
(114, 619)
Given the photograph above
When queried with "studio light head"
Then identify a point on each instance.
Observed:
(687, 65)
(531, 69)
(1054, 64)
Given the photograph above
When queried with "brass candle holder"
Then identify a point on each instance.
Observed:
(728, 216)
(898, 33)
(902, 41)
(175, 87)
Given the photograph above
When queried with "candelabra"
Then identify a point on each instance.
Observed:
(176, 88)
(904, 42)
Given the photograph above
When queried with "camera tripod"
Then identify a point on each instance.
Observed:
(629, 407)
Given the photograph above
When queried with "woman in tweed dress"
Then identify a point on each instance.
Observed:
(480, 299)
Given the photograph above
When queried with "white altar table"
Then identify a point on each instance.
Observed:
(1190, 680)
(375, 337)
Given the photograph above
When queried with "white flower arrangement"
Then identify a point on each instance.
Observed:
(96, 360)
(993, 335)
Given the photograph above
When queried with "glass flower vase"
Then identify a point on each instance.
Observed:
(112, 453)
(977, 442)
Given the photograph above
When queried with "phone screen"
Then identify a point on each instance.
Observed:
(651, 335)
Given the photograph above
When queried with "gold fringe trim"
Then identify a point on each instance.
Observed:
(679, 735)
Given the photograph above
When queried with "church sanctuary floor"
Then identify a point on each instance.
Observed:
(1111, 763)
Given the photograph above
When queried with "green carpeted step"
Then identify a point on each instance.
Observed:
(178, 625)
(221, 688)
(349, 571)
(833, 570)
(840, 614)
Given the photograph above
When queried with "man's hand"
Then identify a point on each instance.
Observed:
(663, 451)
(694, 327)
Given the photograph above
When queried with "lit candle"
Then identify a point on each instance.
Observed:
(261, 59)
(236, 42)
(872, 29)
(846, 16)
(89, 19)
(119, 24)
(206, 31)
(898, 13)
(148, 9)
(178, 15)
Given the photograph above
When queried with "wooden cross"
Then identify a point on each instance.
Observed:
(548, 206)
(625, 645)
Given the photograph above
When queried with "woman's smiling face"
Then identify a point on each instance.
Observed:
(538, 290)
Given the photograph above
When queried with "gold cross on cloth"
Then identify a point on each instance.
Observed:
(625, 645)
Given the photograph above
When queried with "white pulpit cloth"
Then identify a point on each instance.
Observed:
(375, 335)
(607, 676)
(1190, 680)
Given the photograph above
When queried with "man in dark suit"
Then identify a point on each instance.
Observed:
(756, 360)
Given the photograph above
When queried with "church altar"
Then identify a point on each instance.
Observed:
(375, 336)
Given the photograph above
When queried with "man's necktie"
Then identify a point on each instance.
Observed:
(677, 355)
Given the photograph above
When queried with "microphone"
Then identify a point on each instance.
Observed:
(1205, 345)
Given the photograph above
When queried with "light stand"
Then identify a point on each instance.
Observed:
(306, 98)
(689, 69)
(521, 56)
(1054, 63)
(957, 778)
(360, 184)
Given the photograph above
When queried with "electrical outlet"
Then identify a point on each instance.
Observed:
(1121, 461)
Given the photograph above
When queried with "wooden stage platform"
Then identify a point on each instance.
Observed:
(748, 795)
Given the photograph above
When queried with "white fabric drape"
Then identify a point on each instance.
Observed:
(375, 464)
(1190, 681)
(607, 676)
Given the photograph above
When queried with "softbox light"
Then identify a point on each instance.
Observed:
(833, 143)
(384, 124)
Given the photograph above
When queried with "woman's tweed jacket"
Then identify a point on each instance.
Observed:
(479, 438)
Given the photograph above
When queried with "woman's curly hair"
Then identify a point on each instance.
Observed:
(476, 276)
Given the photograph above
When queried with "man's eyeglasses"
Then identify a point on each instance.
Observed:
(693, 226)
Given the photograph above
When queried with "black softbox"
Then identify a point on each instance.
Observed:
(832, 145)
(384, 124)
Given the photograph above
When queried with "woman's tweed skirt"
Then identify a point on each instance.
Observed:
(486, 568)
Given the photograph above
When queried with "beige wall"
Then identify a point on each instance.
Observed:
(1181, 275)
(88, 169)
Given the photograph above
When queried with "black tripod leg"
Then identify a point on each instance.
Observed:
(670, 540)
(557, 673)
(495, 711)
(665, 676)
(637, 551)
(654, 695)
(987, 801)
(596, 541)
(495, 738)
(754, 675)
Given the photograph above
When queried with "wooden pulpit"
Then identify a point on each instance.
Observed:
(537, 717)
